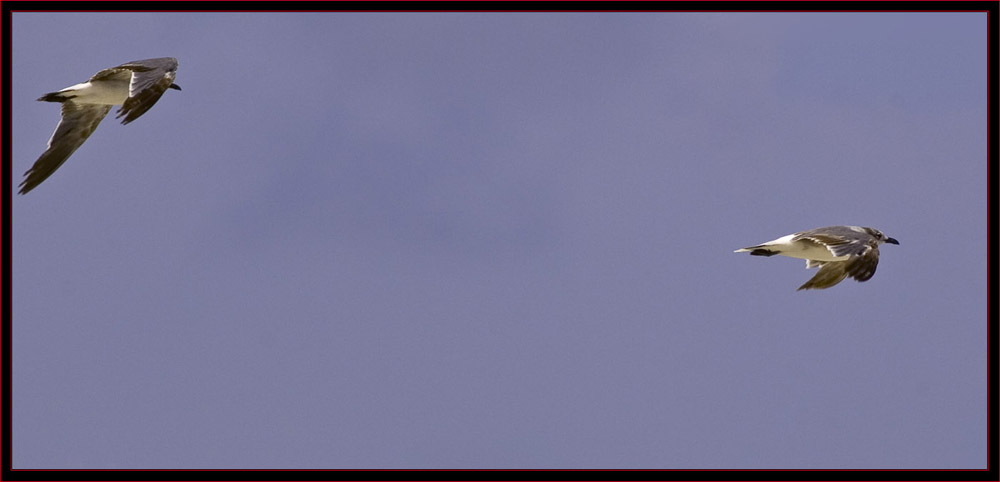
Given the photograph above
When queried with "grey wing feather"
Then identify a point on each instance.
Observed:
(862, 268)
(147, 73)
(119, 72)
(150, 79)
(77, 124)
(836, 245)
(829, 274)
(853, 248)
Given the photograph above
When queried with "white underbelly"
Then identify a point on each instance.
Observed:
(810, 251)
(104, 92)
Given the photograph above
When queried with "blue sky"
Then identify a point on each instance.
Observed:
(458, 240)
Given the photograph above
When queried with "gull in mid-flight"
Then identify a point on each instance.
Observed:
(838, 251)
(136, 86)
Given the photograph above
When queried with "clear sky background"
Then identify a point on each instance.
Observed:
(455, 240)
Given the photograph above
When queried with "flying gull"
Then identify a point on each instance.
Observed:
(838, 251)
(136, 86)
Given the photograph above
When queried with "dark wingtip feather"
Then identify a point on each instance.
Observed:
(55, 97)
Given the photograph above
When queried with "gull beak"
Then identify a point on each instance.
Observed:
(892, 241)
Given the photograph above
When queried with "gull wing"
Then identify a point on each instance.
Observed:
(830, 273)
(839, 245)
(77, 124)
(150, 79)
(862, 267)
(118, 73)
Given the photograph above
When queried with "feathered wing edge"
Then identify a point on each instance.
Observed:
(76, 125)
(861, 268)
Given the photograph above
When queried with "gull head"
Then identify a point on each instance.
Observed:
(881, 237)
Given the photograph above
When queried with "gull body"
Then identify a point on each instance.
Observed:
(112, 91)
(838, 252)
(136, 86)
(785, 246)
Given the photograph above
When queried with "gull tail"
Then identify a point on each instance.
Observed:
(56, 97)
(758, 250)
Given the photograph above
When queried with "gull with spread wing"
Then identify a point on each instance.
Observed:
(838, 252)
(136, 86)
